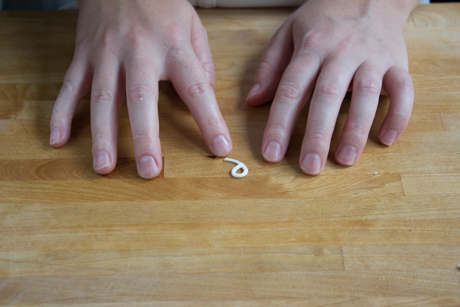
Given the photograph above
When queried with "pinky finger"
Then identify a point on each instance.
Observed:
(400, 89)
(76, 84)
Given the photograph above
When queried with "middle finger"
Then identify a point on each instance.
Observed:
(142, 94)
(106, 99)
(330, 90)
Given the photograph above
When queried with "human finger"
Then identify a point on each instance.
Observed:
(272, 66)
(106, 98)
(189, 79)
(400, 89)
(200, 44)
(330, 90)
(142, 95)
(76, 84)
(292, 94)
(367, 84)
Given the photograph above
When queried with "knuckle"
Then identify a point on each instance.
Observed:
(208, 66)
(328, 88)
(67, 86)
(313, 42)
(81, 41)
(369, 86)
(213, 121)
(318, 135)
(199, 89)
(201, 32)
(56, 115)
(101, 95)
(109, 43)
(102, 139)
(278, 128)
(137, 35)
(175, 55)
(265, 67)
(83, 45)
(144, 138)
(138, 92)
(357, 127)
(176, 36)
(204, 32)
(290, 91)
(405, 82)
(108, 39)
(401, 116)
(346, 45)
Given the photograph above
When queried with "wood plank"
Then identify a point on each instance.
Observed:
(152, 225)
(429, 142)
(125, 238)
(401, 257)
(437, 16)
(172, 261)
(451, 121)
(312, 301)
(105, 189)
(436, 184)
(357, 213)
(317, 300)
(369, 163)
(245, 286)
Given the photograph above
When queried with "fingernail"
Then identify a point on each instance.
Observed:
(311, 164)
(220, 146)
(272, 151)
(347, 155)
(254, 90)
(101, 160)
(147, 167)
(54, 137)
(389, 137)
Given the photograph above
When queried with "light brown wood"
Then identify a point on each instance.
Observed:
(197, 236)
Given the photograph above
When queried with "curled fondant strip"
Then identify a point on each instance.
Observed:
(239, 165)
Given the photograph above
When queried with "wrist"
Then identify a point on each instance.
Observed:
(406, 6)
(400, 10)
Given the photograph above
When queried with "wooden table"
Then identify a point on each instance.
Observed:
(349, 237)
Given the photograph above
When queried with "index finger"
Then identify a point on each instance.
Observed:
(189, 78)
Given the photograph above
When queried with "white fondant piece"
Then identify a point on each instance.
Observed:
(239, 165)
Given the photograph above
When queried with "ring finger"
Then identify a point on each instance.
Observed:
(367, 84)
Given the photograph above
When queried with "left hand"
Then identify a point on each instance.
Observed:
(325, 47)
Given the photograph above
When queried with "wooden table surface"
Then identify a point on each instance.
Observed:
(195, 235)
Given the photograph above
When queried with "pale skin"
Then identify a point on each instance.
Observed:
(324, 48)
(128, 46)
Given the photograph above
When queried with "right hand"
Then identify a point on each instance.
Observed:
(132, 45)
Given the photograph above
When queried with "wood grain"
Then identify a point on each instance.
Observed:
(385, 232)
